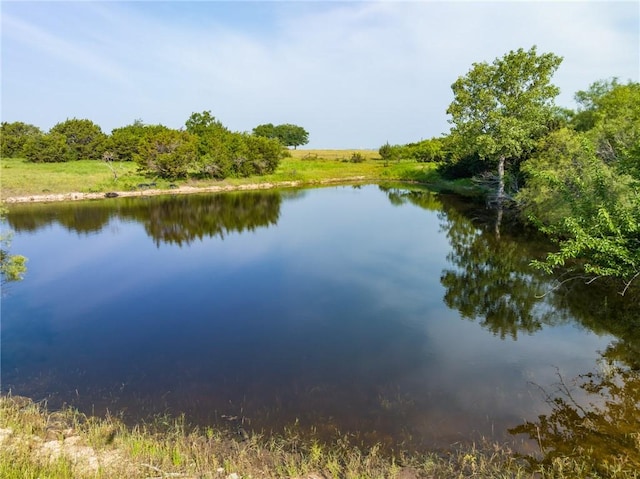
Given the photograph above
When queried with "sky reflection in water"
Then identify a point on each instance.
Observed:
(349, 308)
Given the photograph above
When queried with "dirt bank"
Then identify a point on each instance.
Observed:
(78, 196)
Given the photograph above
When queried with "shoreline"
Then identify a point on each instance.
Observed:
(181, 190)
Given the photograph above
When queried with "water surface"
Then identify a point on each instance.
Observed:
(392, 315)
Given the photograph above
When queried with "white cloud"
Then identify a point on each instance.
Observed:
(353, 74)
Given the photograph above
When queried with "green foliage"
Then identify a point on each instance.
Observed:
(582, 203)
(264, 154)
(48, 148)
(203, 123)
(223, 153)
(389, 153)
(84, 139)
(585, 118)
(12, 267)
(427, 151)
(500, 110)
(268, 130)
(292, 135)
(168, 153)
(125, 143)
(616, 130)
(386, 152)
(288, 134)
(357, 158)
(13, 137)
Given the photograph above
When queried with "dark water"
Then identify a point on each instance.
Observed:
(390, 315)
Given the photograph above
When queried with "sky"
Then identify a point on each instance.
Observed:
(354, 74)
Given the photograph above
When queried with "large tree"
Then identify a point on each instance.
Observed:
(501, 109)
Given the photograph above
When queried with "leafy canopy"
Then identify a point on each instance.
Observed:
(501, 109)
(13, 137)
(287, 134)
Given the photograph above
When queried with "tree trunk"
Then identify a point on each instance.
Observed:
(500, 196)
(498, 223)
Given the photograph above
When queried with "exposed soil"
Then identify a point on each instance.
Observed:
(77, 196)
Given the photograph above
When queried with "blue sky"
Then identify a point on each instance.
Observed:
(354, 74)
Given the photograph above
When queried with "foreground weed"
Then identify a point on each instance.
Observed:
(104, 448)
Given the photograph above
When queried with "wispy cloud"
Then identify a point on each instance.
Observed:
(354, 74)
(73, 55)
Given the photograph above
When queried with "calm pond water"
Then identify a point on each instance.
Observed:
(388, 314)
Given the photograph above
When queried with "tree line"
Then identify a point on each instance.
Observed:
(205, 147)
(573, 174)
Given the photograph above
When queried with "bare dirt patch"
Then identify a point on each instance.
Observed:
(181, 190)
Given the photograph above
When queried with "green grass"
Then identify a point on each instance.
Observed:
(305, 167)
(38, 443)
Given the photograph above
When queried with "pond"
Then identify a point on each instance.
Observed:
(386, 314)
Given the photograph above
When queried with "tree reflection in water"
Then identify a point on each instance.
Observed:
(167, 219)
(602, 435)
(593, 426)
(491, 279)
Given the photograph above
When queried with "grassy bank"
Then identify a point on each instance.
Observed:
(305, 167)
(37, 443)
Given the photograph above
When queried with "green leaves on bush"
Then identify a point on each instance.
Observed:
(13, 137)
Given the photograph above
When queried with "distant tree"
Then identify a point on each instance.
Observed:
(501, 109)
(84, 138)
(292, 135)
(389, 152)
(431, 150)
(13, 137)
(288, 134)
(268, 130)
(48, 148)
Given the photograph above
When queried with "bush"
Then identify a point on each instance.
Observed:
(14, 136)
(84, 138)
(357, 158)
(168, 153)
(49, 148)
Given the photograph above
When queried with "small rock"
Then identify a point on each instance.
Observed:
(233, 475)
(5, 434)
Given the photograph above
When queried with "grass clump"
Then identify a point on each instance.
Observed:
(37, 443)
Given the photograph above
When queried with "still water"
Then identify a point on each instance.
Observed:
(386, 314)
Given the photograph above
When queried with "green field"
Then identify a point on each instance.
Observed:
(305, 167)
